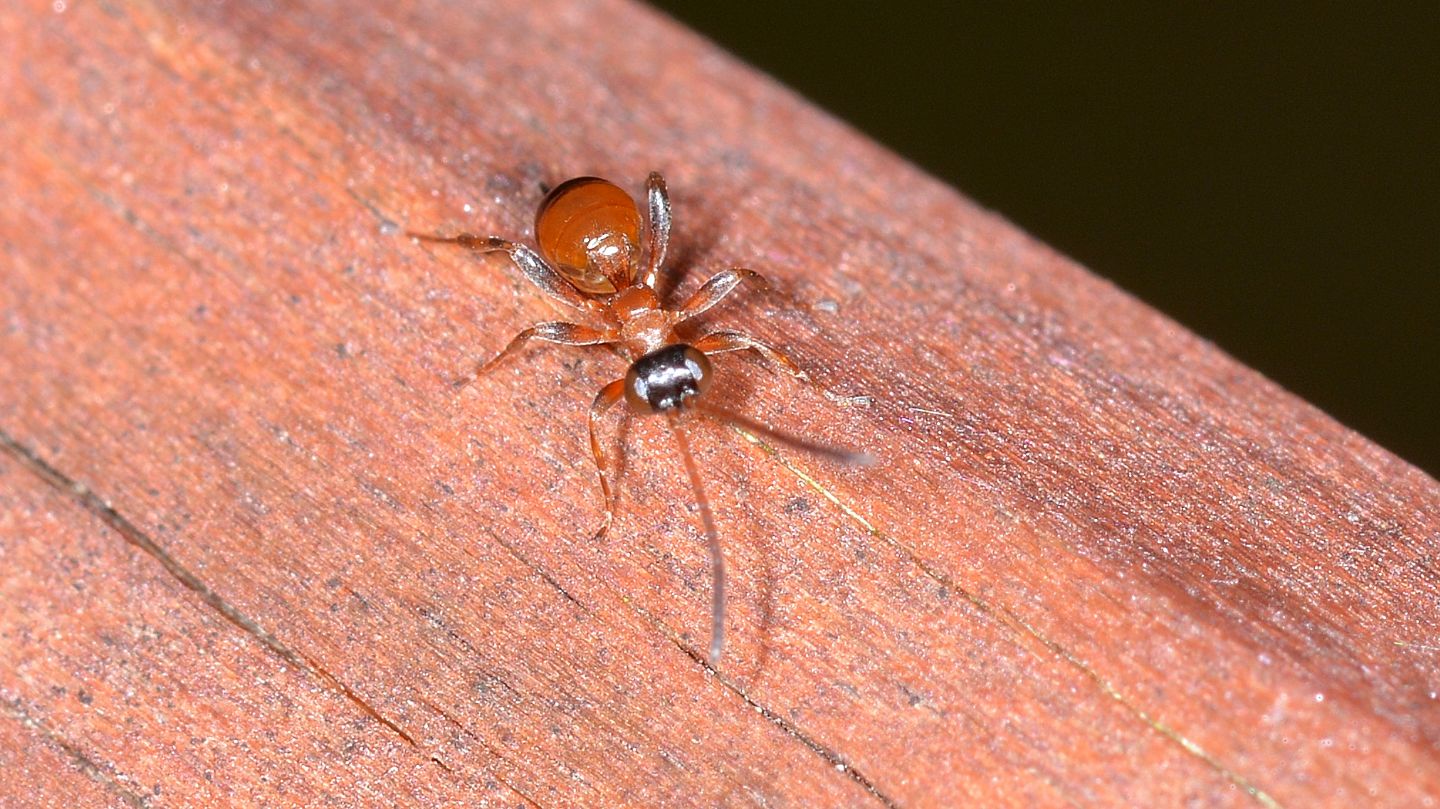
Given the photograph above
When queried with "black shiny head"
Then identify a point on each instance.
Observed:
(665, 378)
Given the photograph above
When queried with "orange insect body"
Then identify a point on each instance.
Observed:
(598, 255)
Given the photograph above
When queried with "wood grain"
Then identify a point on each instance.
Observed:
(258, 552)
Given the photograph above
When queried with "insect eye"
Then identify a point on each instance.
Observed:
(699, 367)
(637, 391)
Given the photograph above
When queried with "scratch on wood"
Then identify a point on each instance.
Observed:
(83, 762)
(1016, 622)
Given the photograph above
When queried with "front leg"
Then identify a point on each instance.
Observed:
(657, 227)
(542, 275)
(570, 334)
(714, 290)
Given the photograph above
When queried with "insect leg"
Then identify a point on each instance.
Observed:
(604, 400)
(715, 289)
(719, 342)
(570, 334)
(542, 275)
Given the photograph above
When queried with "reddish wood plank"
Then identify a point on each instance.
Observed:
(163, 701)
(55, 776)
(1099, 563)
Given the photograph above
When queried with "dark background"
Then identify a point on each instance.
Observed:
(1268, 176)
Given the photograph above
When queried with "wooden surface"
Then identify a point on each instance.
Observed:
(256, 551)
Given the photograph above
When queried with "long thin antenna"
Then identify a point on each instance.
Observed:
(712, 540)
(823, 450)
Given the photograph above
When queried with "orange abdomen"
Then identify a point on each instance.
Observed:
(589, 230)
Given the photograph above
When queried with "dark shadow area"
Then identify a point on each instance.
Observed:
(1268, 177)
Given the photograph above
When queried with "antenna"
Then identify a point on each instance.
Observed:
(712, 541)
(712, 536)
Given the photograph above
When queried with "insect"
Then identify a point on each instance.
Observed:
(598, 256)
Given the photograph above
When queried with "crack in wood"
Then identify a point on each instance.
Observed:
(791, 730)
(97, 506)
(93, 503)
(831, 757)
(91, 768)
(1015, 622)
(539, 571)
(460, 726)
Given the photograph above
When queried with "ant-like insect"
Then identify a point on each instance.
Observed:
(592, 258)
